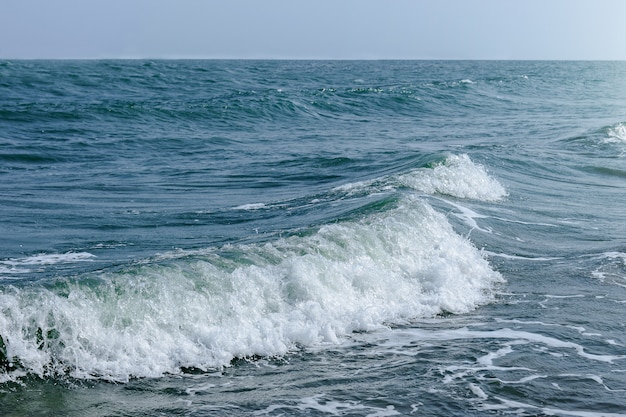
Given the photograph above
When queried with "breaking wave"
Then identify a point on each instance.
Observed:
(202, 310)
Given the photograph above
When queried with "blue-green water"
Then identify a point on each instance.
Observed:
(312, 238)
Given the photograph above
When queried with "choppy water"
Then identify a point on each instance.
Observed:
(313, 238)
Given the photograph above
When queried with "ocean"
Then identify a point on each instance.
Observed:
(317, 238)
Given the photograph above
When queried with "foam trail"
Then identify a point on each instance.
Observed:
(263, 299)
(518, 406)
(24, 265)
(464, 333)
(329, 407)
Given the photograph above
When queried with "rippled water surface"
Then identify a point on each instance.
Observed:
(312, 238)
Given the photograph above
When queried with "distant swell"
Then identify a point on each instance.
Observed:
(202, 309)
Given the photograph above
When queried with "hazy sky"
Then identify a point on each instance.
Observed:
(327, 29)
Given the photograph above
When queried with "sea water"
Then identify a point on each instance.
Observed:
(312, 238)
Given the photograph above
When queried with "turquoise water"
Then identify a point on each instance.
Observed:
(313, 238)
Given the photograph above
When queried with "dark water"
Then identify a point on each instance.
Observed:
(312, 238)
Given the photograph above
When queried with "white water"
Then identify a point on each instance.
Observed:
(203, 311)
(26, 264)
(616, 134)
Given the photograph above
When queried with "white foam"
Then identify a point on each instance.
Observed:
(458, 177)
(465, 333)
(371, 187)
(10, 270)
(251, 207)
(204, 310)
(477, 391)
(612, 269)
(24, 265)
(615, 255)
(616, 134)
(518, 406)
(596, 378)
(330, 407)
(487, 360)
(469, 217)
(524, 258)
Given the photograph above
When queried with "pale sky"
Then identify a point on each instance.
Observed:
(314, 29)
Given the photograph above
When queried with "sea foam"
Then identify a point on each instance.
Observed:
(25, 265)
(616, 134)
(201, 311)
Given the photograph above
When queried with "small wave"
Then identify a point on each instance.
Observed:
(458, 177)
(610, 138)
(204, 310)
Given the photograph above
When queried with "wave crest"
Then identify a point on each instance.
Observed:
(458, 177)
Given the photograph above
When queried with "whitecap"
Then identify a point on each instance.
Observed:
(616, 134)
(458, 176)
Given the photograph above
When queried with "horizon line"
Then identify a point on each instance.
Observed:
(308, 59)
